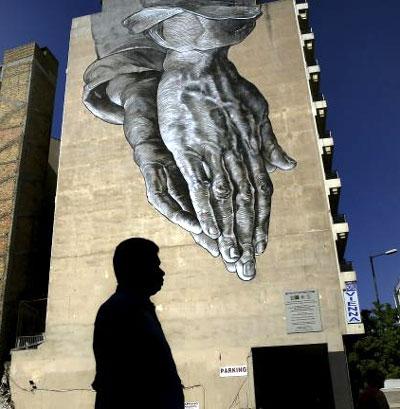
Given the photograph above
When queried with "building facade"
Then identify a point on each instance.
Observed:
(233, 341)
(28, 81)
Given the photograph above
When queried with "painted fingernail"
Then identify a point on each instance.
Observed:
(291, 161)
(195, 228)
(249, 269)
(213, 231)
(261, 246)
(234, 253)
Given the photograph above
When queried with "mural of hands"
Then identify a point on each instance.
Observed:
(202, 139)
(215, 124)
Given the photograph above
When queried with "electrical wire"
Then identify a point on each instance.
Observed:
(236, 400)
(198, 386)
(34, 388)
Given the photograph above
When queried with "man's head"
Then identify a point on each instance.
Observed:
(137, 266)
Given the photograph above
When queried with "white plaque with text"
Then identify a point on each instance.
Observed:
(192, 405)
(303, 311)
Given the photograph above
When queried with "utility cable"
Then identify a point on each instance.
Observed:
(236, 400)
(198, 386)
(34, 388)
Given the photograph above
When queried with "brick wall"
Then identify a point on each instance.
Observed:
(26, 107)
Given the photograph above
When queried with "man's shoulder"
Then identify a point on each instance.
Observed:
(120, 303)
(115, 300)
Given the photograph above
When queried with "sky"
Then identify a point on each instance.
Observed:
(358, 49)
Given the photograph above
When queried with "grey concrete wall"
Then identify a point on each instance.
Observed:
(393, 397)
(211, 319)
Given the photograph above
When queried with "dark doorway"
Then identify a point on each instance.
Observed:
(291, 377)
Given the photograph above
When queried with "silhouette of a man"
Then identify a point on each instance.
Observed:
(372, 397)
(134, 364)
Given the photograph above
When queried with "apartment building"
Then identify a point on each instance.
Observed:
(235, 343)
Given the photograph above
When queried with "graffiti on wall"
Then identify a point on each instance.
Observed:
(199, 131)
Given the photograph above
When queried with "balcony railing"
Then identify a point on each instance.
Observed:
(339, 218)
(314, 75)
(346, 266)
(29, 342)
(331, 175)
(31, 323)
(302, 16)
(326, 135)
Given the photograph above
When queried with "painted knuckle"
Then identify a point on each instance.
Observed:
(245, 191)
(222, 190)
(177, 195)
(247, 249)
(265, 186)
(261, 233)
(176, 216)
(232, 156)
(204, 216)
(157, 197)
(154, 176)
(199, 185)
(172, 169)
(263, 212)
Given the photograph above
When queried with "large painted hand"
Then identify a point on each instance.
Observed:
(261, 151)
(167, 190)
(216, 126)
(165, 186)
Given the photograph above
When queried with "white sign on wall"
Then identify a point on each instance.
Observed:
(351, 304)
(192, 405)
(237, 370)
(303, 311)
